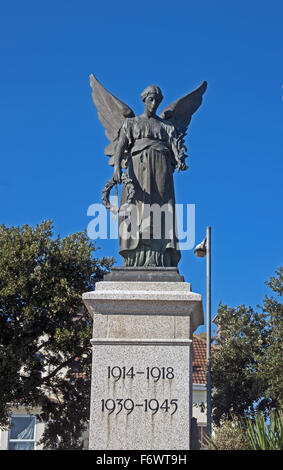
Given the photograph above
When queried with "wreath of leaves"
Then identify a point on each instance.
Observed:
(128, 183)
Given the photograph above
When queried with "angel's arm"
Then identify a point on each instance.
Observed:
(119, 153)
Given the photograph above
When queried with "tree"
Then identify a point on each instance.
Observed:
(240, 341)
(45, 329)
(246, 364)
(271, 363)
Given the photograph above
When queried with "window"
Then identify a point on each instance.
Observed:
(22, 433)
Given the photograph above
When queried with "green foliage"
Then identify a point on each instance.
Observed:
(227, 436)
(271, 364)
(258, 433)
(241, 341)
(44, 326)
(247, 365)
(261, 435)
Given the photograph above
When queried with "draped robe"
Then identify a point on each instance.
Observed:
(149, 240)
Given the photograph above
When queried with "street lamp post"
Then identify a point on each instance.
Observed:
(201, 250)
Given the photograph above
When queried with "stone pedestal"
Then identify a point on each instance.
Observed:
(141, 392)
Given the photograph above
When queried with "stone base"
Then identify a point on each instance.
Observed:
(141, 274)
(141, 393)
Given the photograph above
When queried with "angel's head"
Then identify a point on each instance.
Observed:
(152, 97)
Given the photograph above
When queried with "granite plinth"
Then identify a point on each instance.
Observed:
(151, 299)
(140, 395)
(142, 363)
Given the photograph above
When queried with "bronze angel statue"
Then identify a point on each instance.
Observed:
(149, 148)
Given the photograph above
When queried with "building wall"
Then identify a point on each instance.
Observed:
(199, 411)
(199, 398)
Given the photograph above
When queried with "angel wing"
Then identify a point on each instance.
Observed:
(180, 112)
(111, 113)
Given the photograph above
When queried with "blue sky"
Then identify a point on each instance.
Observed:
(51, 146)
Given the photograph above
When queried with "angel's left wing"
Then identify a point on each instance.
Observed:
(180, 112)
(111, 113)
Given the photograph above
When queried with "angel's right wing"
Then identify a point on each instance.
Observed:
(111, 113)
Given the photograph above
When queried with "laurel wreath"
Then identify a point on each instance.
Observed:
(128, 183)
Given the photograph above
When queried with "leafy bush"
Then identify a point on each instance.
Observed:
(249, 434)
(227, 436)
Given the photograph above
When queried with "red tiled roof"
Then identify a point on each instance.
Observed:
(199, 359)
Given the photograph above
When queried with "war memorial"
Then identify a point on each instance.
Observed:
(144, 312)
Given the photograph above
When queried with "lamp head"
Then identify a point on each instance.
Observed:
(200, 249)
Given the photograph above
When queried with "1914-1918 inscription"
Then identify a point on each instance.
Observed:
(155, 373)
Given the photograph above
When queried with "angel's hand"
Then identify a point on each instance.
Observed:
(117, 174)
(181, 166)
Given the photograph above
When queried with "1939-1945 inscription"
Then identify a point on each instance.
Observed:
(128, 405)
